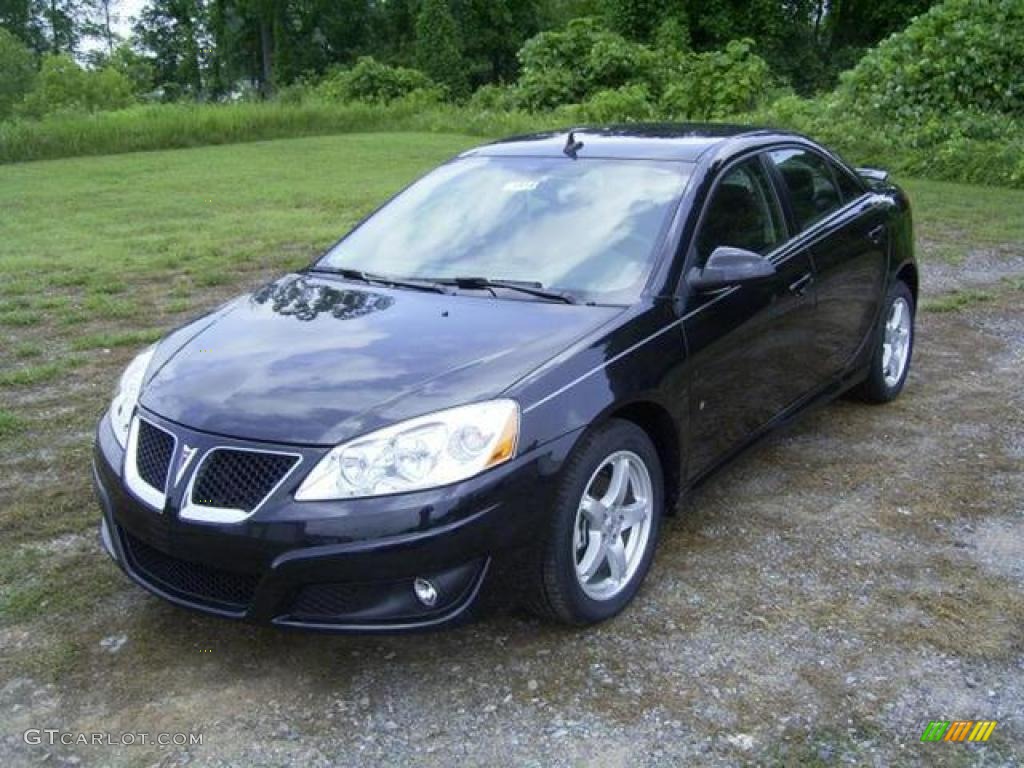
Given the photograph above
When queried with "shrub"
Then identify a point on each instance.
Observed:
(620, 105)
(136, 68)
(495, 98)
(571, 65)
(715, 84)
(965, 146)
(63, 86)
(372, 82)
(960, 55)
(17, 72)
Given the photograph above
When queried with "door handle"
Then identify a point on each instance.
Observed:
(877, 235)
(800, 287)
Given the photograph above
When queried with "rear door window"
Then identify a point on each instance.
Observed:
(813, 192)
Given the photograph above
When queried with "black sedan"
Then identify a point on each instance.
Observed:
(528, 355)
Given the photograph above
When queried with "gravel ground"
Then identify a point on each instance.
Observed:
(818, 602)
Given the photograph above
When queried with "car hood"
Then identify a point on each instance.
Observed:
(313, 360)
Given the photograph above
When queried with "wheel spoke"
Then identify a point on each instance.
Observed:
(617, 486)
(594, 510)
(617, 558)
(595, 554)
(897, 314)
(633, 514)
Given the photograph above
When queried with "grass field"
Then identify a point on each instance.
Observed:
(99, 256)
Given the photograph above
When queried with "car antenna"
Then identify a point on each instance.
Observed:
(572, 146)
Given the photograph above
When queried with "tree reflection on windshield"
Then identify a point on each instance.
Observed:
(297, 297)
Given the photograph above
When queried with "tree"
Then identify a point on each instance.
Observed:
(492, 33)
(104, 23)
(23, 19)
(17, 72)
(640, 19)
(174, 34)
(439, 48)
(64, 20)
(64, 85)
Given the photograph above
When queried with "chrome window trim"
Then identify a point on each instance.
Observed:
(143, 491)
(203, 514)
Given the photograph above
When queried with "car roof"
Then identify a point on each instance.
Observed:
(637, 141)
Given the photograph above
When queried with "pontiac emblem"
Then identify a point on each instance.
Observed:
(184, 459)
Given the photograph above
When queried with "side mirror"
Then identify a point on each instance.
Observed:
(730, 266)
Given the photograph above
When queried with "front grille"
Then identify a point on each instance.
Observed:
(190, 580)
(153, 457)
(236, 479)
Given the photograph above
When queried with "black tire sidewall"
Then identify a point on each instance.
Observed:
(571, 602)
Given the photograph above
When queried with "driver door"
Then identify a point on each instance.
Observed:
(750, 346)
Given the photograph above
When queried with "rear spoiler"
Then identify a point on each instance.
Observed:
(875, 177)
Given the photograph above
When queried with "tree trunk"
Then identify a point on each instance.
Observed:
(266, 58)
(53, 25)
(106, 22)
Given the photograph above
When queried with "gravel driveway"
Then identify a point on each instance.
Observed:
(818, 602)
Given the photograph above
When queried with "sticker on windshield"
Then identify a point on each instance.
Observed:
(522, 185)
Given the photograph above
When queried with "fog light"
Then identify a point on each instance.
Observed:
(426, 593)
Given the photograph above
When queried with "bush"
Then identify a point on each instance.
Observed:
(63, 86)
(620, 105)
(495, 98)
(965, 146)
(571, 65)
(961, 55)
(17, 72)
(372, 82)
(715, 84)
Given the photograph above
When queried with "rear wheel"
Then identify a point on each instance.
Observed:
(603, 532)
(894, 345)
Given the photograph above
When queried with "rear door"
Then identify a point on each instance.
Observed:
(844, 228)
(749, 346)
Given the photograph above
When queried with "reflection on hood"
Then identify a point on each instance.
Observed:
(298, 298)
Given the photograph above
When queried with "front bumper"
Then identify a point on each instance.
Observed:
(345, 566)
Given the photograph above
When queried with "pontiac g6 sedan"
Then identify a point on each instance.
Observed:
(527, 356)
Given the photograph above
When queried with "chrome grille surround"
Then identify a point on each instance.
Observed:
(143, 490)
(209, 511)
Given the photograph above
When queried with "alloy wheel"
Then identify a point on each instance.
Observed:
(896, 342)
(613, 525)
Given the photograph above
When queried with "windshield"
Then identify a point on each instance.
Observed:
(587, 227)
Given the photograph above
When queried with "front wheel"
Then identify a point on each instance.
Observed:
(604, 529)
(894, 345)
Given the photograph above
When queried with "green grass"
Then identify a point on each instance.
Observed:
(10, 424)
(209, 212)
(33, 374)
(20, 317)
(117, 339)
(956, 301)
(955, 218)
(171, 126)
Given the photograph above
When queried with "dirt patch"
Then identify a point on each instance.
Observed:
(980, 268)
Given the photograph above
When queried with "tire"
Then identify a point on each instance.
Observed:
(560, 591)
(883, 382)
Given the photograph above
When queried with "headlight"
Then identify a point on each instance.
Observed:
(127, 395)
(426, 452)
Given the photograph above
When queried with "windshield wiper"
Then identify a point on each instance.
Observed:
(370, 277)
(523, 286)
